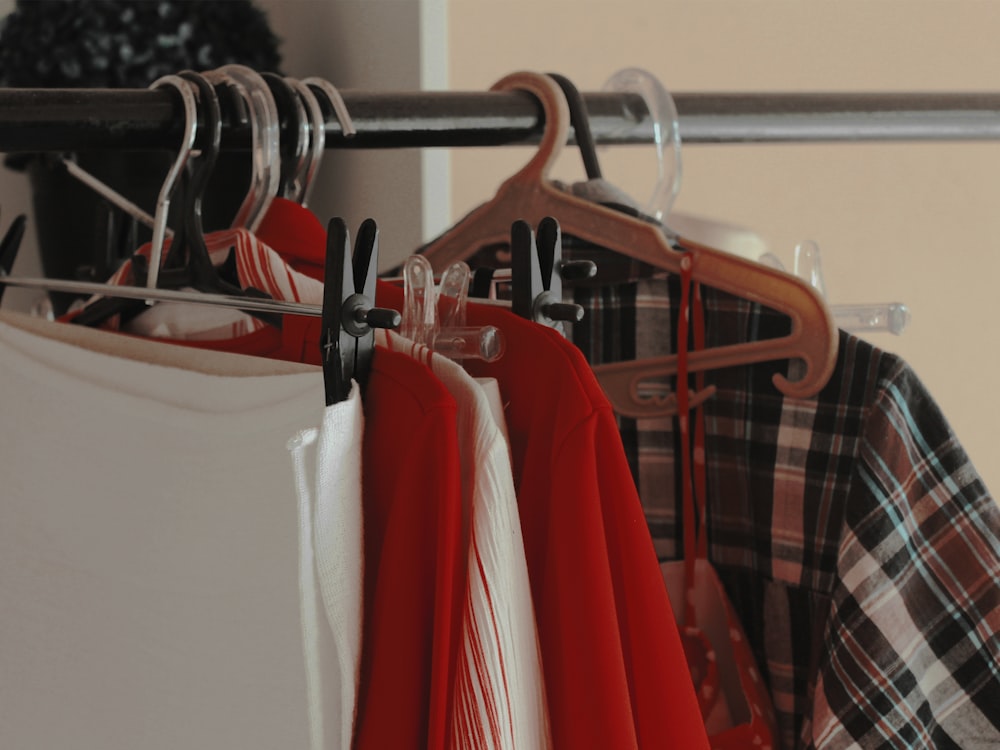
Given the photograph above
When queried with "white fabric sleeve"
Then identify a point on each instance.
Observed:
(327, 463)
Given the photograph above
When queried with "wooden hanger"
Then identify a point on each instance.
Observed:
(530, 196)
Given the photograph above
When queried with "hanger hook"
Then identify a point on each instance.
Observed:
(303, 182)
(185, 90)
(666, 130)
(265, 136)
(336, 102)
(555, 115)
(294, 151)
(191, 237)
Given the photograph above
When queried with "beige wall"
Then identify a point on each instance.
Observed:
(914, 223)
(385, 45)
(917, 223)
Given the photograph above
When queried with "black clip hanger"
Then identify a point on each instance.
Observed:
(9, 246)
(538, 270)
(347, 342)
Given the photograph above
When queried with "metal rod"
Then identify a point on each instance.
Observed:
(112, 195)
(83, 119)
(164, 295)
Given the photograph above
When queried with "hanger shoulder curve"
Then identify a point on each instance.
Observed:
(529, 196)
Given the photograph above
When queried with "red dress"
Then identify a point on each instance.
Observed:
(615, 671)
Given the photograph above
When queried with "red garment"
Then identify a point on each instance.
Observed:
(414, 574)
(296, 233)
(615, 671)
(414, 570)
(298, 237)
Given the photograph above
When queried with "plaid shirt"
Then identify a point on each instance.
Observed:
(857, 542)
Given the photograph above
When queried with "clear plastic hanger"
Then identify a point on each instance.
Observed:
(302, 181)
(336, 103)
(666, 135)
(891, 317)
(667, 140)
(421, 323)
(882, 317)
(530, 195)
(295, 150)
(265, 137)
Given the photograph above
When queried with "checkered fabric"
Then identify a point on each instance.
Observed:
(857, 542)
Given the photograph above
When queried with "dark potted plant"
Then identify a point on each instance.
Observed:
(120, 44)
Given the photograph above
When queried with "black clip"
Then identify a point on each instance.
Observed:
(347, 342)
(537, 273)
(9, 246)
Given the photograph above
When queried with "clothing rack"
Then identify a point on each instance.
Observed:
(84, 119)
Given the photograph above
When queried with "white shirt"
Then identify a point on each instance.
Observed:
(149, 545)
(327, 464)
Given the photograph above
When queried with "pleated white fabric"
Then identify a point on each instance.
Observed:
(327, 464)
(499, 695)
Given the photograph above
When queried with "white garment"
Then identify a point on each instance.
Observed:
(328, 478)
(499, 695)
(148, 548)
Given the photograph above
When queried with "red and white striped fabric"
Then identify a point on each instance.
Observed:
(257, 265)
(498, 698)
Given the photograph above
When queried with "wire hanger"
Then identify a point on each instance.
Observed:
(891, 317)
(877, 317)
(529, 195)
(187, 262)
